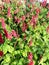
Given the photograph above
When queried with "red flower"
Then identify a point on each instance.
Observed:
(3, 23)
(30, 56)
(23, 18)
(14, 33)
(17, 20)
(33, 21)
(1, 53)
(47, 29)
(34, 16)
(31, 63)
(1, 39)
(6, 33)
(37, 11)
(43, 3)
(9, 14)
(24, 27)
(9, 36)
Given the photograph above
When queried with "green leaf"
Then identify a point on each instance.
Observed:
(5, 48)
(8, 28)
(10, 48)
(7, 58)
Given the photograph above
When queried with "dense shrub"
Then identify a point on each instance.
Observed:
(24, 34)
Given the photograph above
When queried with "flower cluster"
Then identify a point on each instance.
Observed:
(30, 56)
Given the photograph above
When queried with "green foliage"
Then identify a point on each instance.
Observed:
(16, 50)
